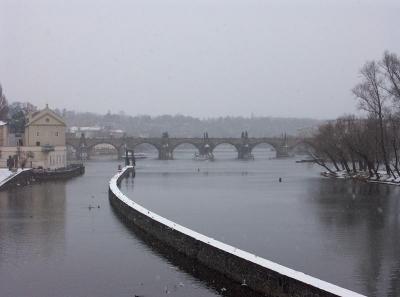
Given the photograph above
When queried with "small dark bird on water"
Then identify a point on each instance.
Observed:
(280, 179)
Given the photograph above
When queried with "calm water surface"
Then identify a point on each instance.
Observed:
(51, 244)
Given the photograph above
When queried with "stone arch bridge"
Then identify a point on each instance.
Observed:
(166, 145)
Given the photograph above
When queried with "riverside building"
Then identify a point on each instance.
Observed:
(42, 144)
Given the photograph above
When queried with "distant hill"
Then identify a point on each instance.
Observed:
(186, 126)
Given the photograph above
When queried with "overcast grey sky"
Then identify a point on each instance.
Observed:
(201, 58)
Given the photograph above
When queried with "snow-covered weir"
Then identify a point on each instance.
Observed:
(257, 273)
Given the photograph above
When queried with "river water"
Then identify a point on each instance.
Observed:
(53, 244)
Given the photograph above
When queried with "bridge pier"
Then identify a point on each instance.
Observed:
(165, 151)
(282, 153)
(165, 154)
(244, 149)
(82, 153)
(203, 151)
(244, 152)
(205, 148)
(283, 150)
(121, 152)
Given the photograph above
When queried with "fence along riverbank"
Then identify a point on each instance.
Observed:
(257, 273)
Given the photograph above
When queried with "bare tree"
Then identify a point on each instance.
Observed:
(394, 139)
(3, 105)
(360, 144)
(390, 65)
(373, 98)
(325, 147)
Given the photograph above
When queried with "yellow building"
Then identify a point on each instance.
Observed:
(44, 128)
(43, 142)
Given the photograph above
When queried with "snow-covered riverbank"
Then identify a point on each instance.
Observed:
(6, 175)
(384, 178)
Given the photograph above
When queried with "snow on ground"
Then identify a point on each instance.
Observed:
(384, 178)
(6, 175)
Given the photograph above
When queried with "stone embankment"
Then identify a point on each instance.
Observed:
(258, 274)
(15, 178)
(28, 176)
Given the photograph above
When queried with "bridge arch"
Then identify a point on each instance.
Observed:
(144, 143)
(91, 147)
(214, 148)
(272, 144)
(259, 144)
(156, 146)
(192, 144)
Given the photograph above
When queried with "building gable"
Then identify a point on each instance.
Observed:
(44, 127)
(45, 117)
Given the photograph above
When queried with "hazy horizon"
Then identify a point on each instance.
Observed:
(205, 118)
(203, 59)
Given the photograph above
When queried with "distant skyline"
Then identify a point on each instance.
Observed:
(200, 58)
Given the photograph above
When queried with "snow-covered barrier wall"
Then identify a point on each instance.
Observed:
(257, 273)
(20, 178)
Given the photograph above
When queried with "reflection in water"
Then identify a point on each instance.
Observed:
(211, 279)
(51, 244)
(367, 215)
(32, 222)
(335, 230)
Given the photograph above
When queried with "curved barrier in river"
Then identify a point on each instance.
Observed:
(257, 273)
